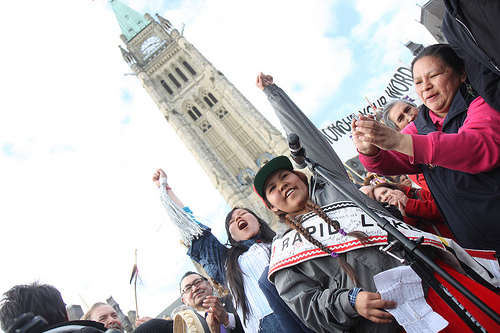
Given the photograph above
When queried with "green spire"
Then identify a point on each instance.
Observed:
(130, 21)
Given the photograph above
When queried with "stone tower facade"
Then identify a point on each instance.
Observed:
(229, 138)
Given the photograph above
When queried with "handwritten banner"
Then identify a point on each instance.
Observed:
(399, 86)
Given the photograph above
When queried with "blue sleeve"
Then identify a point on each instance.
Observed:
(209, 253)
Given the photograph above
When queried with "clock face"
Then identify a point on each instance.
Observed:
(150, 44)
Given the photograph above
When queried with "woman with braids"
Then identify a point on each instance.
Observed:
(239, 266)
(325, 289)
(324, 256)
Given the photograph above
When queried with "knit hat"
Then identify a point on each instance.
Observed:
(156, 326)
(280, 162)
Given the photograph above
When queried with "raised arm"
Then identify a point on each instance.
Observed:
(295, 121)
(160, 180)
(179, 214)
(204, 247)
(315, 143)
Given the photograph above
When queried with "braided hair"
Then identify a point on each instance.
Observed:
(361, 236)
(296, 224)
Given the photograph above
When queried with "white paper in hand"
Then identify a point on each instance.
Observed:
(403, 286)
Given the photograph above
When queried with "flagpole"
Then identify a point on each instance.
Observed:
(135, 270)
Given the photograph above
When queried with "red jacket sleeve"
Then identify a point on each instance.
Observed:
(478, 140)
(423, 207)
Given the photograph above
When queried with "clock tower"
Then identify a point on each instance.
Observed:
(229, 138)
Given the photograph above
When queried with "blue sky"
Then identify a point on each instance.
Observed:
(80, 140)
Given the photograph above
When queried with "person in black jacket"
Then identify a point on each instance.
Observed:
(472, 30)
(45, 301)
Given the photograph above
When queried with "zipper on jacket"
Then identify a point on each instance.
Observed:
(474, 40)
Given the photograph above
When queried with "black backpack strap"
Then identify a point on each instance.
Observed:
(28, 323)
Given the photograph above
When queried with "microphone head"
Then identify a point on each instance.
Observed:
(293, 141)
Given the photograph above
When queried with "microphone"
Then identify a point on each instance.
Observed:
(297, 152)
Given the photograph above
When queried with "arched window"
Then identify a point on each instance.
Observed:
(193, 112)
(181, 74)
(209, 98)
(174, 80)
(167, 88)
(212, 97)
(210, 104)
(195, 109)
(192, 115)
(189, 68)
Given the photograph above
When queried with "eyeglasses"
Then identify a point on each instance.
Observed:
(196, 283)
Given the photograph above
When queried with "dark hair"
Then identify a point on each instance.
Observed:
(187, 274)
(156, 325)
(295, 224)
(397, 179)
(40, 299)
(234, 274)
(443, 52)
(393, 186)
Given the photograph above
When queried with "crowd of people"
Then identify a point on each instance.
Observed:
(316, 271)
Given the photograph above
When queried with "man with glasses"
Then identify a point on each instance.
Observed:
(197, 293)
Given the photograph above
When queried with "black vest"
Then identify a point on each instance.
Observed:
(469, 203)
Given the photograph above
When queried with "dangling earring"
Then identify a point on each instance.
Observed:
(470, 90)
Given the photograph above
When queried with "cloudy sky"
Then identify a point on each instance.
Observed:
(80, 139)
